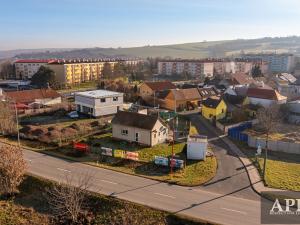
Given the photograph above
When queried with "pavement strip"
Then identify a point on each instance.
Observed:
(168, 196)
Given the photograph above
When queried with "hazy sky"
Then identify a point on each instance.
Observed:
(114, 23)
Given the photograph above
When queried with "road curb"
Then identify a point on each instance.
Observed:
(247, 164)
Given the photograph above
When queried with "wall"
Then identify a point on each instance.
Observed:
(101, 108)
(225, 128)
(144, 135)
(277, 146)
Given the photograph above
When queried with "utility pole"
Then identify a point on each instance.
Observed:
(172, 156)
(17, 120)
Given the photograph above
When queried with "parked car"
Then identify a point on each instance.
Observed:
(73, 115)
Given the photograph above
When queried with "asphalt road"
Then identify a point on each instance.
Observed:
(195, 202)
(231, 177)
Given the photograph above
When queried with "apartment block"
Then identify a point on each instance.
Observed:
(26, 68)
(210, 67)
(278, 63)
(73, 71)
(193, 67)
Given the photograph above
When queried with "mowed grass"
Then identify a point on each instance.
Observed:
(283, 172)
(195, 172)
(283, 169)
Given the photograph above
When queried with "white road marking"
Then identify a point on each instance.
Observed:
(216, 138)
(168, 196)
(64, 170)
(219, 195)
(107, 181)
(232, 210)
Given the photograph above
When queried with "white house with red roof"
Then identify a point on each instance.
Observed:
(264, 97)
(26, 68)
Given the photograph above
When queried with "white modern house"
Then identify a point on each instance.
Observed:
(196, 147)
(98, 102)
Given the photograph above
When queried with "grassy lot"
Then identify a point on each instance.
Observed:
(284, 132)
(283, 169)
(30, 207)
(195, 172)
(80, 87)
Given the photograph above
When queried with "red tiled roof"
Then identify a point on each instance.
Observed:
(262, 93)
(160, 85)
(33, 61)
(29, 96)
(241, 78)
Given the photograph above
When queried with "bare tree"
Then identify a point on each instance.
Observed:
(12, 169)
(6, 70)
(7, 118)
(68, 199)
(269, 118)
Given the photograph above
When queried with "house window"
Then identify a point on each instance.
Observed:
(124, 132)
(102, 100)
(115, 99)
(222, 110)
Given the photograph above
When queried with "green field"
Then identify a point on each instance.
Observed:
(202, 49)
(283, 169)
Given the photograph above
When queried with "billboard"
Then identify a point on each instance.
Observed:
(177, 163)
(162, 161)
(119, 153)
(106, 151)
(81, 147)
(132, 156)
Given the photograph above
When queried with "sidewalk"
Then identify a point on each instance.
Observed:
(253, 174)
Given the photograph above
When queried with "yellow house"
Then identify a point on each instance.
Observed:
(214, 109)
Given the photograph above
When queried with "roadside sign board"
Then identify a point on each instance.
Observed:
(81, 147)
(178, 163)
(119, 153)
(158, 160)
(132, 156)
(106, 151)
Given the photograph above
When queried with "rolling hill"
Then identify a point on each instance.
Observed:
(187, 50)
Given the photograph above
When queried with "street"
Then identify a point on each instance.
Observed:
(196, 202)
(231, 175)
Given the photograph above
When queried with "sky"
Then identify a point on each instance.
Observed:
(27, 24)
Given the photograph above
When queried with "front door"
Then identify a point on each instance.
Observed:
(137, 137)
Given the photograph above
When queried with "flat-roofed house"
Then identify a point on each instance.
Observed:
(99, 102)
(144, 129)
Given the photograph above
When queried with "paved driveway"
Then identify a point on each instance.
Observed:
(231, 177)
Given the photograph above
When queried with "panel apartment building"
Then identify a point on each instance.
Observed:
(210, 67)
(278, 63)
(193, 67)
(72, 71)
(26, 68)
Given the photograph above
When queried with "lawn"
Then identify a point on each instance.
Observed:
(195, 172)
(80, 87)
(30, 207)
(283, 169)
